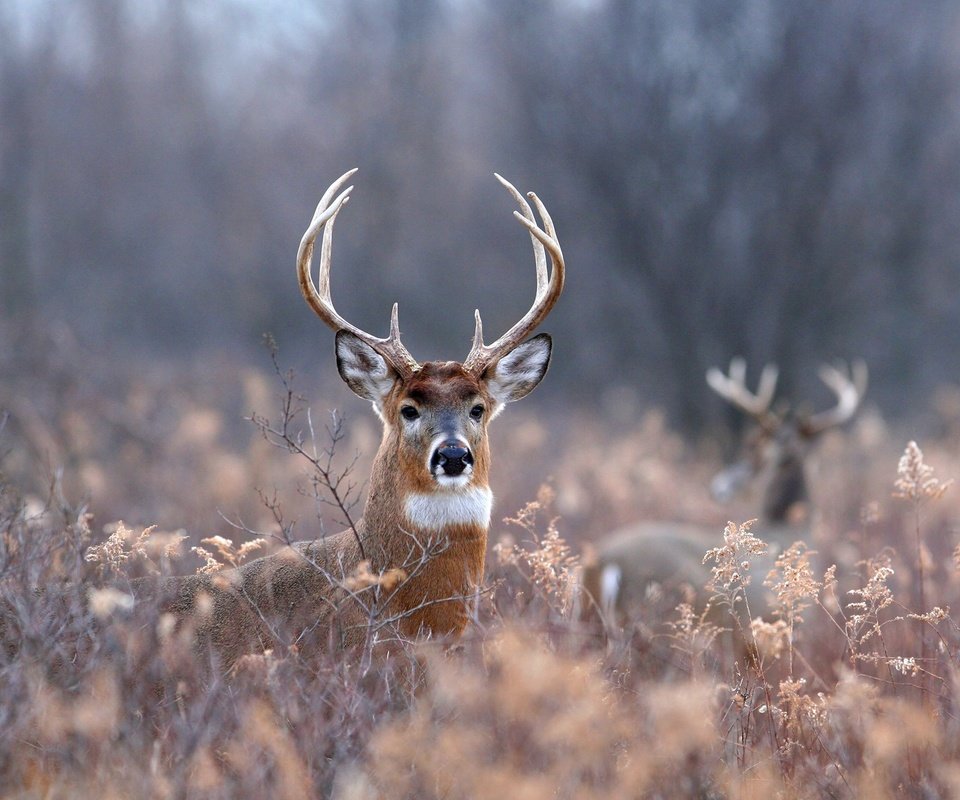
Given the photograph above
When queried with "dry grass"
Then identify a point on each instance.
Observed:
(852, 691)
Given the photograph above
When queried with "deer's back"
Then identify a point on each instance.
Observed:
(638, 562)
(663, 562)
(289, 597)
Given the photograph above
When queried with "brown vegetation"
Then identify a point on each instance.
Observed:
(854, 693)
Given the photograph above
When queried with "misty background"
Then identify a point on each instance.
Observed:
(773, 179)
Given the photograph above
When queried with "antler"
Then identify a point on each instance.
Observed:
(549, 288)
(318, 296)
(734, 390)
(849, 386)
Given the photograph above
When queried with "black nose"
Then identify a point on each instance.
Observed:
(452, 458)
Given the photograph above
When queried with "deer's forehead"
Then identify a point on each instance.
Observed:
(786, 437)
(441, 383)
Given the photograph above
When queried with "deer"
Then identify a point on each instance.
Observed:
(651, 557)
(415, 558)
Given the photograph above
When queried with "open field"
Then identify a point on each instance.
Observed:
(768, 180)
(856, 697)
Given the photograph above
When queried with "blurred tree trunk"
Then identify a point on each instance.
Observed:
(17, 291)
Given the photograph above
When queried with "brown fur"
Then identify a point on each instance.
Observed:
(428, 461)
(301, 595)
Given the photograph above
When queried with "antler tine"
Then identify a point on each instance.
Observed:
(549, 286)
(733, 388)
(849, 387)
(768, 384)
(527, 218)
(318, 295)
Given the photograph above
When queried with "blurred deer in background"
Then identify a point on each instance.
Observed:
(416, 557)
(668, 557)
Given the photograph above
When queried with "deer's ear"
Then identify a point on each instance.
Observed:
(363, 369)
(519, 371)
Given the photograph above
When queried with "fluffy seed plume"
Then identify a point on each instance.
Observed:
(732, 559)
(915, 479)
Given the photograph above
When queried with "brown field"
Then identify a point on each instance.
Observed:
(858, 698)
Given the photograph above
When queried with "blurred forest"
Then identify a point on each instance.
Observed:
(774, 179)
(777, 179)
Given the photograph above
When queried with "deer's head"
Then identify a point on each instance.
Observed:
(436, 414)
(775, 449)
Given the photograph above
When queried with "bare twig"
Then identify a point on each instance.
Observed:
(325, 476)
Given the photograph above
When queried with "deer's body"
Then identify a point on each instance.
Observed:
(296, 596)
(415, 559)
(662, 563)
(666, 558)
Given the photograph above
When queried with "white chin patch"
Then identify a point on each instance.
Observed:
(435, 511)
(453, 481)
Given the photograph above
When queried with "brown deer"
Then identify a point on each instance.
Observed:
(416, 557)
(668, 557)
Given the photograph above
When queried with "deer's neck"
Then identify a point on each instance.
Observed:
(786, 489)
(395, 520)
(466, 510)
(439, 539)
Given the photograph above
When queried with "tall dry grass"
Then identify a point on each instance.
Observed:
(850, 691)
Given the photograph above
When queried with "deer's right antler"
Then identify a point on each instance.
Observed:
(849, 387)
(548, 292)
(733, 389)
(318, 296)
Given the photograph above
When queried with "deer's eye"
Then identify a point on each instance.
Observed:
(409, 413)
(476, 412)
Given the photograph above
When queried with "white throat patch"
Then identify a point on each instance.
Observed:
(436, 510)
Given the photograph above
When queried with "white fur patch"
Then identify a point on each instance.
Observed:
(518, 372)
(437, 510)
(363, 369)
(610, 587)
(454, 481)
